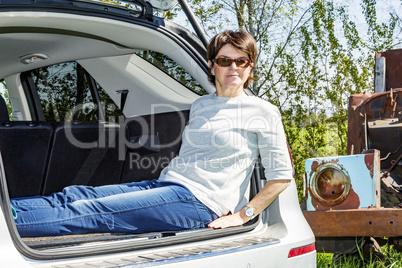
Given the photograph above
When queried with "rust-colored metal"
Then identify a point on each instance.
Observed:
(386, 173)
(393, 71)
(355, 121)
(369, 107)
(360, 108)
(377, 222)
(352, 201)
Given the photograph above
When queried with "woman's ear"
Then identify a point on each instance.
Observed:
(212, 67)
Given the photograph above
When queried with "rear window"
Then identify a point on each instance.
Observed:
(6, 97)
(65, 94)
(173, 69)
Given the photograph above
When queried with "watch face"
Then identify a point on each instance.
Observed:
(249, 212)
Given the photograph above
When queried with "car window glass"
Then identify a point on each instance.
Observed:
(173, 69)
(65, 95)
(111, 110)
(6, 97)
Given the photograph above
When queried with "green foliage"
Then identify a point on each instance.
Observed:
(209, 14)
(380, 35)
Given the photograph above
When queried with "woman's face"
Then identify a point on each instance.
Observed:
(232, 78)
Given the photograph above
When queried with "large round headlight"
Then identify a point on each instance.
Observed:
(330, 184)
(163, 5)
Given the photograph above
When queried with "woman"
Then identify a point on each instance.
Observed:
(206, 185)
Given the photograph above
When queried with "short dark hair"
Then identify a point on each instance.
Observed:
(240, 40)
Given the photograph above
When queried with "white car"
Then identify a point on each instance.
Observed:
(96, 94)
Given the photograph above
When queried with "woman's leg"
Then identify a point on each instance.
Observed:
(76, 192)
(162, 207)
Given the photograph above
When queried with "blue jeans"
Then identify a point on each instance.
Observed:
(139, 207)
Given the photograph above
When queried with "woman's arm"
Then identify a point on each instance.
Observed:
(261, 201)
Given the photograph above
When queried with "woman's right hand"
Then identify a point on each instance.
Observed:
(223, 222)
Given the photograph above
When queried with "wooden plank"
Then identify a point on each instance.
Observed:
(381, 222)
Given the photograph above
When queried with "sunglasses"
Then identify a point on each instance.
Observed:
(226, 62)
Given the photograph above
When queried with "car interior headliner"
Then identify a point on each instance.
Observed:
(58, 48)
(64, 37)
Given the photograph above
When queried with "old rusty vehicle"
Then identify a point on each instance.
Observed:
(356, 198)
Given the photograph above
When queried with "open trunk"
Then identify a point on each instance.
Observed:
(100, 94)
(81, 125)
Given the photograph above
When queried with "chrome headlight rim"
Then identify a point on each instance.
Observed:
(318, 171)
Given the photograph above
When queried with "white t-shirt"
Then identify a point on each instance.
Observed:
(220, 145)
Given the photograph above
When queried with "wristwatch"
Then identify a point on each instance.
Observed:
(249, 212)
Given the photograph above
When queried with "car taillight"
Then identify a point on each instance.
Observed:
(301, 250)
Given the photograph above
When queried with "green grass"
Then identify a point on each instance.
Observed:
(392, 259)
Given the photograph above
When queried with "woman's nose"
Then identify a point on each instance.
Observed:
(233, 65)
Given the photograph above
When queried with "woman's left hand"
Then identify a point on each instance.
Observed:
(227, 221)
